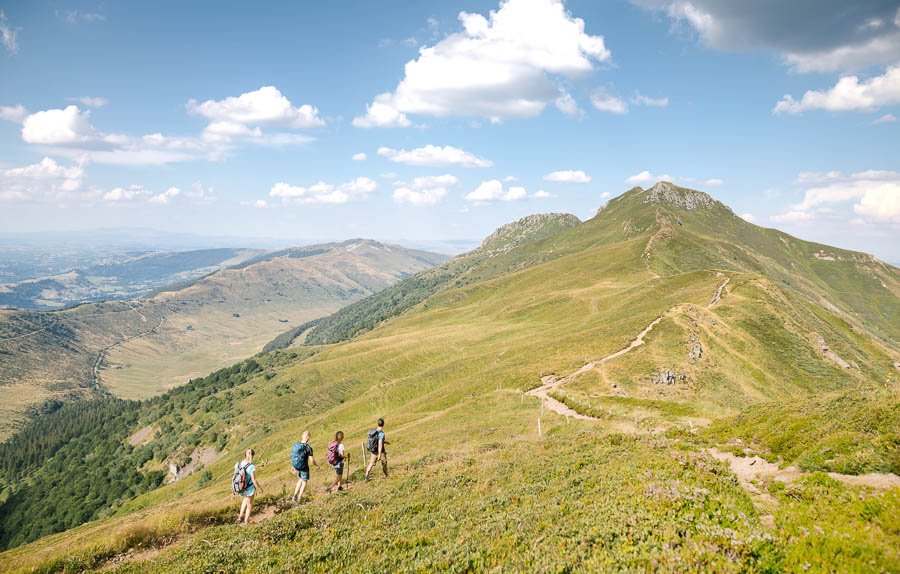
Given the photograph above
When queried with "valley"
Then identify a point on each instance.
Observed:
(565, 386)
(136, 349)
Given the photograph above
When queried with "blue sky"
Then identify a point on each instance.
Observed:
(217, 119)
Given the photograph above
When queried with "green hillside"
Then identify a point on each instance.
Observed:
(136, 349)
(565, 402)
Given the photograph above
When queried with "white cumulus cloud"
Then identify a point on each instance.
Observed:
(324, 193)
(15, 114)
(434, 156)
(359, 156)
(45, 180)
(568, 176)
(165, 197)
(125, 194)
(647, 177)
(265, 106)
(875, 195)
(848, 94)
(58, 127)
(498, 67)
(642, 100)
(428, 190)
(606, 102)
(492, 190)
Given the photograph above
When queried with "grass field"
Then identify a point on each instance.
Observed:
(486, 479)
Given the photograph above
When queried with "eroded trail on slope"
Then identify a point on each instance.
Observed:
(551, 383)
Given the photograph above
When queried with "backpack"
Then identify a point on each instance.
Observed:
(297, 455)
(372, 443)
(333, 456)
(240, 481)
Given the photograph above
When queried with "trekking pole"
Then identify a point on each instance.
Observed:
(363, 446)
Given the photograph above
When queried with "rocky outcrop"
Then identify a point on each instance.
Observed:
(695, 347)
(667, 377)
(526, 230)
(670, 194)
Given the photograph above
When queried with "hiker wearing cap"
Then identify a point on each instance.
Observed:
(336, 458)
(245, 484)
(375, 445)
(301, 454)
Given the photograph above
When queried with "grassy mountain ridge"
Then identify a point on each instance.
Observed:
(627, 488)
(497, 254)
(142, 347)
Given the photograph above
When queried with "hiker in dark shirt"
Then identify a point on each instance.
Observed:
(376, 442)
(301, 454)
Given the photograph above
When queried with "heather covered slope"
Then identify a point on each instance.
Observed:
(626, 486)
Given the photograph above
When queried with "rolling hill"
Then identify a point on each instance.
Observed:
(664, 387)
(118, 276)
(135, 349)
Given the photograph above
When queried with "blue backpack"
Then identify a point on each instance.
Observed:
(297, 452)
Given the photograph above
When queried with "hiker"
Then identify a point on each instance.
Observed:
(336, 458)
(375, 445)
(244, 483)
(301, 454)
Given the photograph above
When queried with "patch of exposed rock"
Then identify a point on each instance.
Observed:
(667, 377)
(670, 194)
(695, 347)
(526, 230)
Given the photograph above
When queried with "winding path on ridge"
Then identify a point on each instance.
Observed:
(551, 382)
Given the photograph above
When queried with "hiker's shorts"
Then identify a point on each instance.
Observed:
(338, 468)
(302, 474)
(250, 491)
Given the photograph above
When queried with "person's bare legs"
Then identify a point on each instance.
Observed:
(298, 490)
(384, 464)
(336, 484)
(246, 508)
(370, 466)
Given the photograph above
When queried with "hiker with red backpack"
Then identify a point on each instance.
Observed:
(375, 444)
(336, 458)
(245, 484)
(301, 454)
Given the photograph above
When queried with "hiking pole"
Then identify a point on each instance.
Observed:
(363, 447)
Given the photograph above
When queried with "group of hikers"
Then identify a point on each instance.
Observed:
(245, 484)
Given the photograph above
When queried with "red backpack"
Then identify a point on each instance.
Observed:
(333, 456)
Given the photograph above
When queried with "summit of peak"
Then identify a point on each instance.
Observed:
(668, 193)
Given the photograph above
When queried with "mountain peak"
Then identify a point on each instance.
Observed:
(670, 194)
(527, 229)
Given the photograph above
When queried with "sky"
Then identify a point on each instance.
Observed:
(443, 120)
